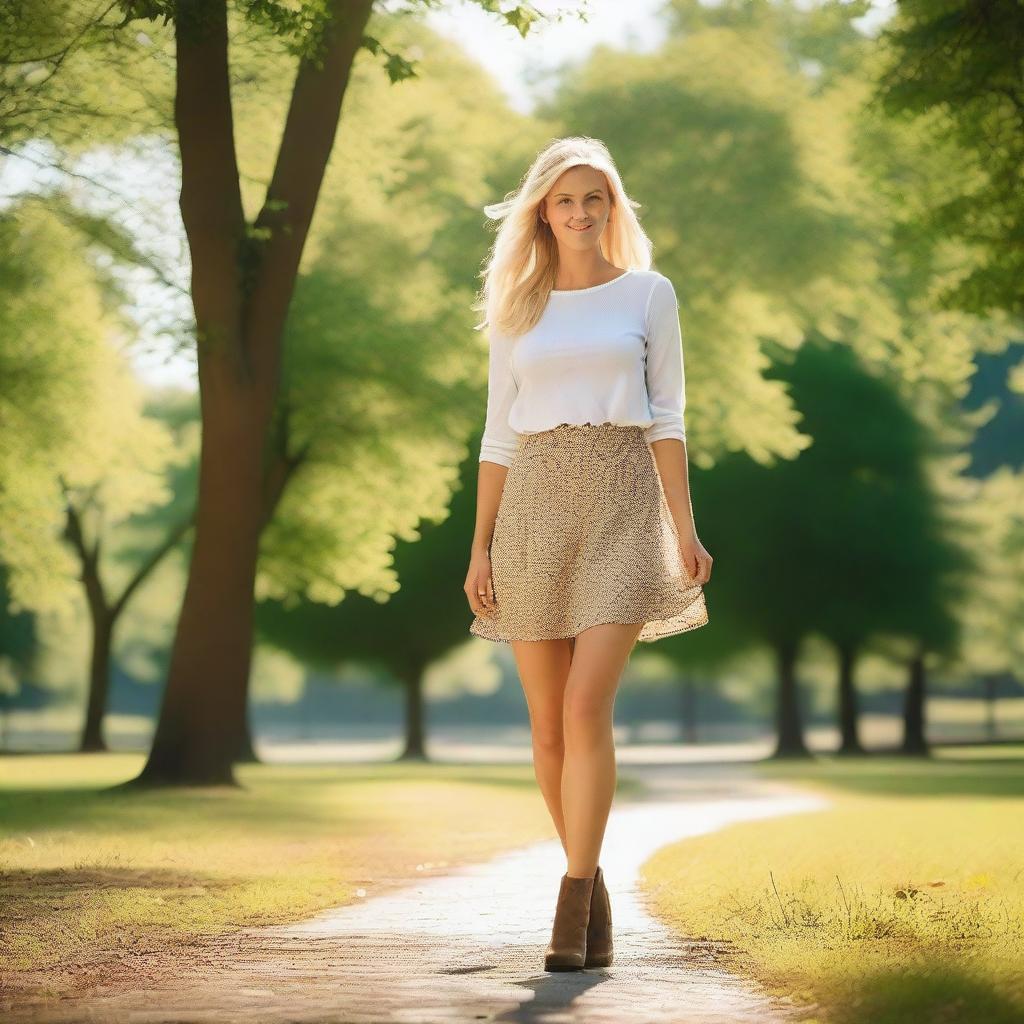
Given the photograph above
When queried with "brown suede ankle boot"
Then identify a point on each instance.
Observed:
(567, 949)
(599, 930)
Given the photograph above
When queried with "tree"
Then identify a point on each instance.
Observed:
(131, 512)
(956, 68)
(289, 462)
(83, 457)
(844, 541)
(872, 523)
(403, 635)
(243, 279)
(382, 377)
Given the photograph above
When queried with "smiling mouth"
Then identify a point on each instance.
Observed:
(587, 228)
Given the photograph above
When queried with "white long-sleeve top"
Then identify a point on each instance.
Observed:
(607, 354)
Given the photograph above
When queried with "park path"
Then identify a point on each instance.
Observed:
(468, 946)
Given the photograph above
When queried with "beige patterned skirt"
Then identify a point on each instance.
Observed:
(583, 535)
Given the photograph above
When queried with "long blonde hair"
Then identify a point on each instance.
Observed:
(523, 261)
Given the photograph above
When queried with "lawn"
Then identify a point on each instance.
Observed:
(902, 902)
(92, 876)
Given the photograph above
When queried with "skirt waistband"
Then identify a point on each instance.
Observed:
(568, 428)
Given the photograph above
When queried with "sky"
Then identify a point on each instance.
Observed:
(525, 69)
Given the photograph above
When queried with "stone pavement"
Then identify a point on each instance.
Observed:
(468, 946)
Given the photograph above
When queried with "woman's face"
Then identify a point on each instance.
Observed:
(577, 207)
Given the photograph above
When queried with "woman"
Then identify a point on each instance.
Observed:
(584, 540)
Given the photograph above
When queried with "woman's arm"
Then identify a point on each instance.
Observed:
(671, 460)
(490, 482)
(663, 363)
(499, 439)
(497, 448)
(666, 389)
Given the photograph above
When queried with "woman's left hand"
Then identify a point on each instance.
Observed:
(696, 559)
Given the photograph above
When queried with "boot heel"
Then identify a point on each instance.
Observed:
(567, 950)
(599, 927)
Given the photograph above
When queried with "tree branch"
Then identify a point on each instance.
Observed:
(155, 558)
(306, 143)
(211, 198)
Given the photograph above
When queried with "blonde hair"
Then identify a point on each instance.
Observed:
(523, 261)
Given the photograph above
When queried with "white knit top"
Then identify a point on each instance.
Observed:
(607, 354)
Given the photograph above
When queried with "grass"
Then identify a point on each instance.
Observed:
(91, 875)
(904, 901)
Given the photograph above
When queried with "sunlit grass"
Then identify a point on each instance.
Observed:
(1008, 751)
(88, 870)
(902, 902)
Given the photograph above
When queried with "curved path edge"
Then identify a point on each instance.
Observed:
(468, 945)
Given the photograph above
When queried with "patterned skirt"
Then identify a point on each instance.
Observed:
(583, 535)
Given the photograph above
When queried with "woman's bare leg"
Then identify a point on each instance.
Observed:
(589, 773)
(543, 671)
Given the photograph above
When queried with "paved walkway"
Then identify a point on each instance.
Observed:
(468, 946)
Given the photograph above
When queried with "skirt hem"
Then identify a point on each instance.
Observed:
(673, 630)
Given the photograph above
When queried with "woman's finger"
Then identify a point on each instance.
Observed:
(692, 562)
(484, 595)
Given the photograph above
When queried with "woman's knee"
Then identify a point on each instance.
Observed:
(586, 715)
(548, 736)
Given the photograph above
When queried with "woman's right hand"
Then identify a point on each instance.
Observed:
(479, 587)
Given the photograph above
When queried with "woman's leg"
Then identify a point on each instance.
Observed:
(589, 773)
(543, 671)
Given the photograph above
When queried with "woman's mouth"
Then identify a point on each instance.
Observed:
(586, 228)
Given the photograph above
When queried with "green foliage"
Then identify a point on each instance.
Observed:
(70, 78)
(818, 40)
(382, 377)
(77, 440)
(956, 67)
(992, 614)
(396, 66)
(752, 207)
(69, 66)
(53, 356)
(848, 539)
(378, 393)
(777, 204)
(18, 644)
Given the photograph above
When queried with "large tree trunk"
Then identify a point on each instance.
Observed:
(790, 742)
(415, 728)
(849, 712)
(914, 741)
(242, 284)
(204, 701)
(280, 464)
(245, 749)
(99, 684)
